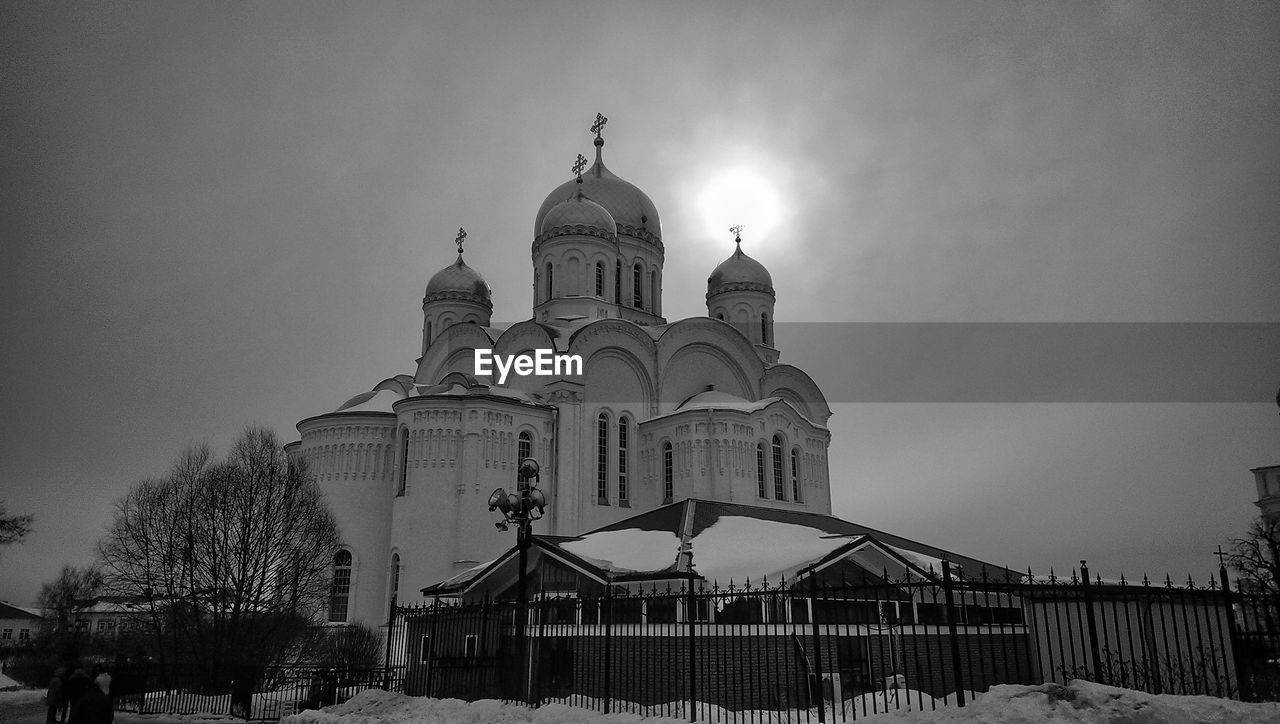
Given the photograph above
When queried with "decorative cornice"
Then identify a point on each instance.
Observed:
(636, 232)
(453, 295)
(741, 287)
(572, 230)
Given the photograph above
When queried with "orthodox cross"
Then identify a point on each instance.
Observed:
(599, 124)
(462, 236)
(1222, 556)
(736, 230)
(578, 165)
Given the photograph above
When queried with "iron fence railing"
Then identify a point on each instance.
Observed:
(835, 648)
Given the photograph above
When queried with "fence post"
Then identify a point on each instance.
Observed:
(1233, 633)
(608, 639)
(428, 656)
(386, 657)
(1092, 623)
(949, 599)
(816, 686)
(691, 607)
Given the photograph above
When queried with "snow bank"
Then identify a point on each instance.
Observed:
(385, 707)
(1083, 701)
(1078, 701)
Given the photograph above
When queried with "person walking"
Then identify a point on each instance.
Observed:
(75, 688)
(56, 697)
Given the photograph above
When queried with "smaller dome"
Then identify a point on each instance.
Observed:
(739, 273)
(458, 281)
(578, 215)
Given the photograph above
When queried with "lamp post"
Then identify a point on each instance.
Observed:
(520, 509)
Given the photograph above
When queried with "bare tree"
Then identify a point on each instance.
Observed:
(13, 527)
(229, 558)
(66, 595)
(1257, 556)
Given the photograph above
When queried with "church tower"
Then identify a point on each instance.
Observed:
(587, 266)
(740, 292)
(456, 294)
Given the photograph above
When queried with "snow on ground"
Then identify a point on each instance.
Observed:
(20, 696)
(1078, 701)
(7, 683)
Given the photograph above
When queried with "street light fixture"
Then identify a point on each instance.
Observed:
(520, 509)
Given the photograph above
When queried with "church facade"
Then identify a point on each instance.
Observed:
(662, 410)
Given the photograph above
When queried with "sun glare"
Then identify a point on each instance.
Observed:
(739, 196)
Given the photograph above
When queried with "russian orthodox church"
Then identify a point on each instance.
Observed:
(663, 411)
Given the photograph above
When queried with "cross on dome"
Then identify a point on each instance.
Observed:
(578, 165)
(461, 237)
(736, 230)
(598, 126)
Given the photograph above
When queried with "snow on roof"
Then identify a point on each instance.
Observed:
(734, 542)
(629, 550)
(8, 610)
(379, 401)
(922, 561)
(723, 400)
(466, 576)
(735, 548)
(717, 400)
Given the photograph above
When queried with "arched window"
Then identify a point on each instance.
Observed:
(404, 461)
(653, 289)
(795, 474)
(550, 286)
(779, 483)
(764, 328)
(668, 474)
(395, 573)
(637, 281)
(428, 332)
(599, 279)
(623, 422)
(524, 447)
(760, 485)
(602, 459)
(720, 316)
(340, 588)
(617, 282)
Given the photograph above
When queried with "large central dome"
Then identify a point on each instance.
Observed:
(628, 205)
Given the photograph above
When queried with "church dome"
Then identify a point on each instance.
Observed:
(633, 212)
(739, 273)
(458, 281)
(578, 215)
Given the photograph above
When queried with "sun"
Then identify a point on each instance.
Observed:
(740, 195)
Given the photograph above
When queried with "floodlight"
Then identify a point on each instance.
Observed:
(529, 468)
(497, 499)
(537, 499)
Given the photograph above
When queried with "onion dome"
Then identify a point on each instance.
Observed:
(578, 215)
(739, 273)
(458, 282)
(633, 212)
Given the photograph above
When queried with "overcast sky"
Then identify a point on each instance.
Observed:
(220, 214)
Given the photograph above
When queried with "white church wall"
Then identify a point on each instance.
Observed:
(351, 456)
(469, 447)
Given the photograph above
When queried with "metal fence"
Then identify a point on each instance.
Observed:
(257, 693)
(836, 650)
